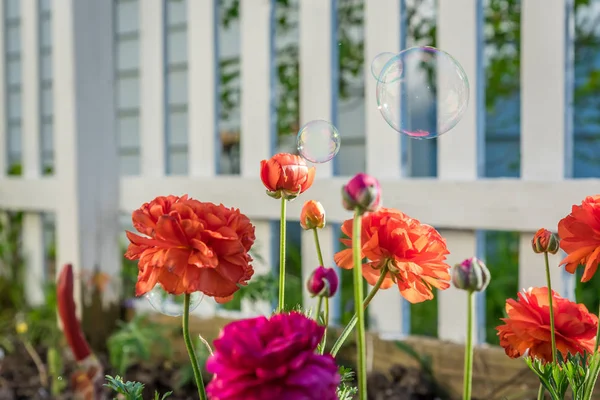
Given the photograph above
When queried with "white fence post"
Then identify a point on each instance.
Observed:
(152, 89)
(203, 78)
(383, 30)
(317, 99)
(85, 142)
(3, 100)
(546, 134)
(460, 155)
(257, 136)
(33, 227)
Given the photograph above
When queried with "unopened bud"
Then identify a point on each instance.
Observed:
(545, 241)
(312, 215)
(471, 275)
(323, 282)
(362, 192)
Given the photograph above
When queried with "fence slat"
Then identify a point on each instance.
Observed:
(86, 155)
(203, 77)
(318, 96)
(257, 130)
(387, 312)
(460, 154)
(3, 99)
(33, 227)
(546, 134)
(152, 88)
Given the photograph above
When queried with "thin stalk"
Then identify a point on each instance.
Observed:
(540, 395)
(597, 336)
(468, 384)
(358, 308)
(318, 245)
(324, 341)
(552, 332)
(348, 329)
(282, 227)
(190, 348)
(319, 306)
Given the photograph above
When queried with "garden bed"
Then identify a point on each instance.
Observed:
(396, 373)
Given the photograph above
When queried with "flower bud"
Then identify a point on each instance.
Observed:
(471, 275)
(363, 192)
(21, 328)
(545, 241)
(312, 215)
(323, 282)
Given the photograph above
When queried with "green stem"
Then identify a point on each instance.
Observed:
(318, 245)
(552, 332)
(467, 385)
(597, 335)
(190, 348)
(282, 226)
(540, 395)
(348, 329)
(319, 306)
(324, 341)
(358, 308)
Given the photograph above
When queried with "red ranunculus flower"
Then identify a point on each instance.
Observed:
(191, 246)
(272, 359)
(414, 253)
(526, 328)
(579, 234)
(286, 175)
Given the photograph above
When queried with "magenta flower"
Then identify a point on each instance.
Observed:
(272, 359)
(362, 191)
(323, 282)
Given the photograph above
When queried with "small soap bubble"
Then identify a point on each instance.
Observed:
(380, 63)
(318, 141)
(422, 92)
(60, 378)
(171, 305)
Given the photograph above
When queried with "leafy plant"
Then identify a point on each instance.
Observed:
(134, 341)
(131, 390)
(346, 390)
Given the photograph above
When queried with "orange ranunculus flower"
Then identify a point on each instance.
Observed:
(413, 252)
(191, 246)
(312, 215)
(526, 329)
(286, 175)
(545, 241)
(579, 234)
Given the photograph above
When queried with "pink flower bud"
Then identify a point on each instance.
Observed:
(471, 275)
(323, 282)
(363, 192)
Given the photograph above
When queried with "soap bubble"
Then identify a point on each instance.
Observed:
(422, 92)
(318, 141)
(169, 304)
(380, 62)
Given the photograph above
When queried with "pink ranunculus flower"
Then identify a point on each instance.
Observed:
(272, 359)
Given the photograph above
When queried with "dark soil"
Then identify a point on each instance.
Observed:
(19, 380)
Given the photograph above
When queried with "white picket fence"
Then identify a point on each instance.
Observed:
(88, 196)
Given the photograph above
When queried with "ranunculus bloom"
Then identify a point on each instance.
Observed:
(191, 246)
(471, 274)
(527, 326)
(362, 191)
(579, 234)
(272, 359)
(544, 241)
(323, 282)
(414, 253)
(286, 175)
(312, 215)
